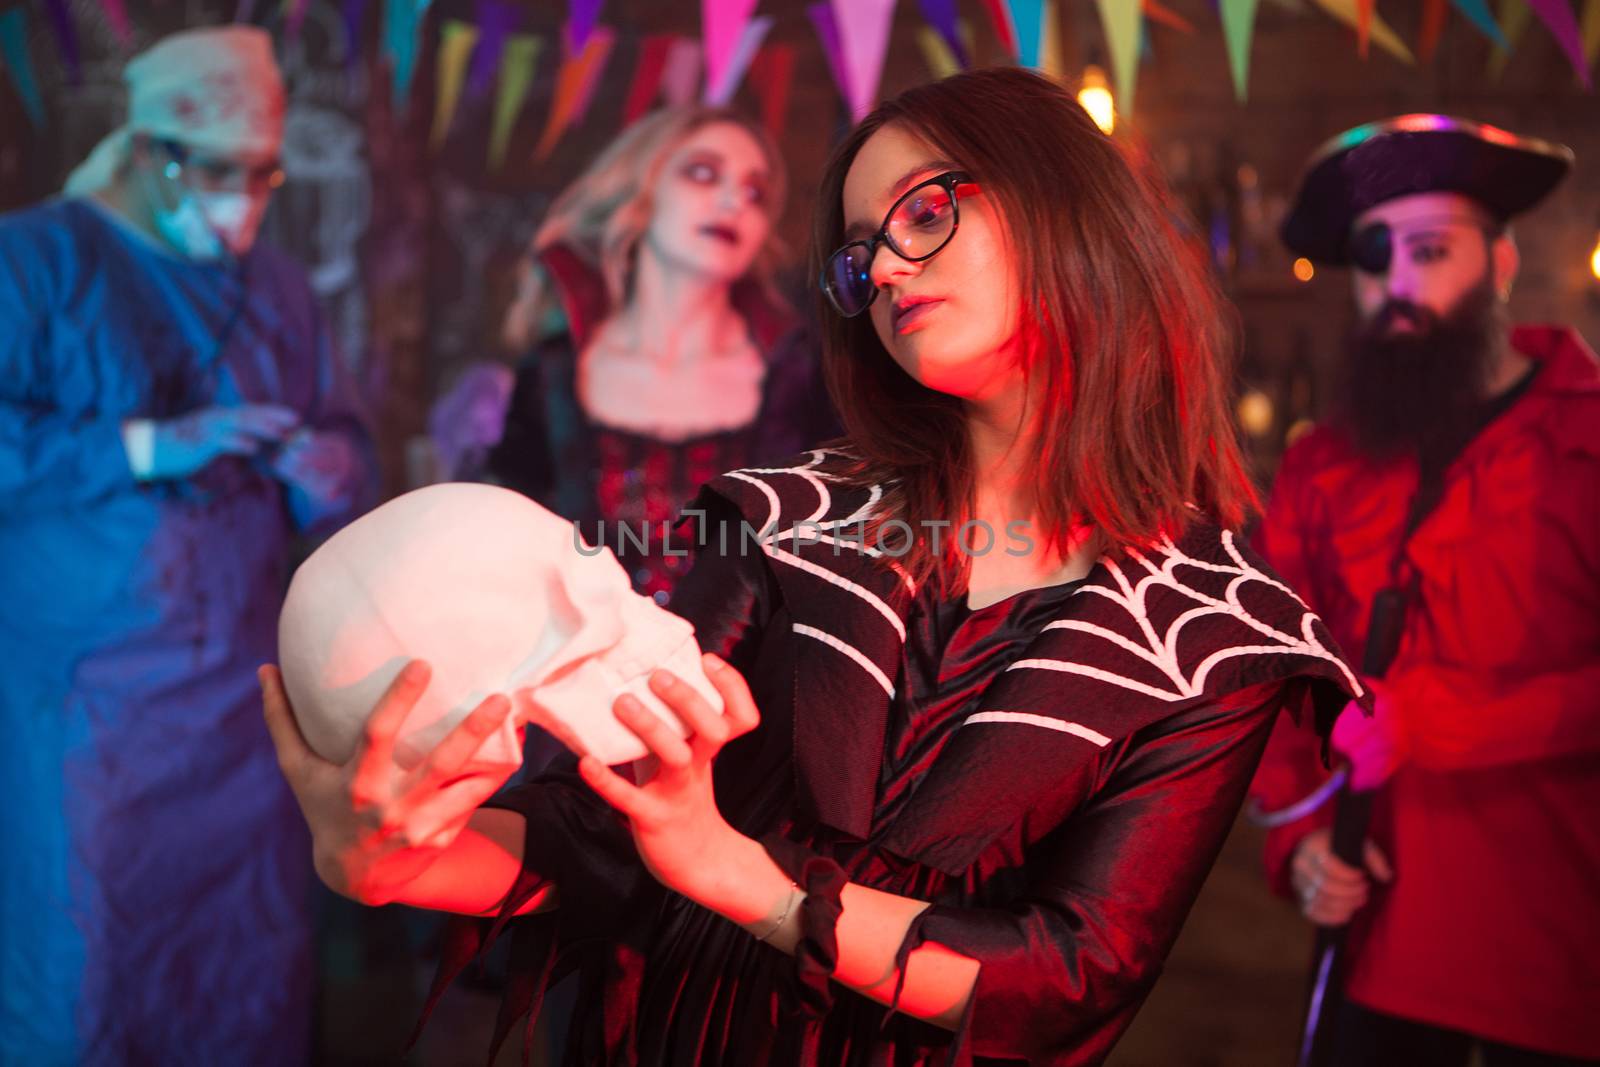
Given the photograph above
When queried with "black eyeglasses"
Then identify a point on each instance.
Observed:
(217, 173)
(918, 225)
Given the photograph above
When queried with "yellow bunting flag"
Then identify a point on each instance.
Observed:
(941, 61)
(456, 41)
(517, 64)
(1122, 21)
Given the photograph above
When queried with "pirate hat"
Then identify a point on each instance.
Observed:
(1363, 167)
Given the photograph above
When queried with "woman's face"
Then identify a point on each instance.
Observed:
(711, 203)
(950, 321)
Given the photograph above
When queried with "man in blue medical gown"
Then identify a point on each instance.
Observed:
(171, 416)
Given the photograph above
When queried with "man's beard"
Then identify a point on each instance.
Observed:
(1406, 393)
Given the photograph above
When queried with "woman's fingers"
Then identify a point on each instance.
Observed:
(738, 706)
(383, 725)
(293, 752)
(615, 790)
(463, 742)
(673, 751)
(708, 731)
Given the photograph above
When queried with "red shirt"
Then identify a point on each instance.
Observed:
(1492, 922)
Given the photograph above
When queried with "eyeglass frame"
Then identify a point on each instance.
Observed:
(948, 181)
(269, 176)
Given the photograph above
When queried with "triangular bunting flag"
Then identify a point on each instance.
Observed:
(517, 63)
(1155, 11)
(755, 30)
(1477, 13)
(496, 19)
(1514, 17)
(722, 23)
(770, 77)
(18, 63)
(863, 41)
(1382, 33)
(682, 72)
(456, 41)
(1238, 26)
(646, 84)
(1558, 19)
(1123, 23)
(941, 17)
(1433, 16)
(574, 85)
(402, 27)
(1027, 21)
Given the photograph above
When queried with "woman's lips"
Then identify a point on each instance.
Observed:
(909, 316)
(722, 233)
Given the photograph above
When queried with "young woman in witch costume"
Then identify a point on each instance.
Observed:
(959, 801)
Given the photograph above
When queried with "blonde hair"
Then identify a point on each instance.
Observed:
(604, 213)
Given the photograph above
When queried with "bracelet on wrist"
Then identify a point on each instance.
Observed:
(788, 906)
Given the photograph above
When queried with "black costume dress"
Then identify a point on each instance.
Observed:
(605, 478)
(1014, 765)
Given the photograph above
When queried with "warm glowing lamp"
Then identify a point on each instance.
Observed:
(1095, 97)
(1255, 413)
(1303, 270)
(1594, 260)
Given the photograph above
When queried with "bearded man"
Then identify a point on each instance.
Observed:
(1452, 503)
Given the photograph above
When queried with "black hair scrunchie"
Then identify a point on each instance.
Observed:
(817, 953)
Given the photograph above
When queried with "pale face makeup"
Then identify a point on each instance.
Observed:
(711, 203)
(950, 321)
(1440, 252)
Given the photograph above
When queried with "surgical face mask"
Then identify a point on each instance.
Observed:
(232, 217)
(205, 225)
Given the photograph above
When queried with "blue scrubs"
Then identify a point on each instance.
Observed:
(154, 872)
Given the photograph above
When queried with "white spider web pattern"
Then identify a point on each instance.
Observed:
(1161, 651)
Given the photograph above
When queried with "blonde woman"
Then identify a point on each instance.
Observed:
(660, 354)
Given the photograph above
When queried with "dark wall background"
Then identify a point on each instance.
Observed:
(413, 250)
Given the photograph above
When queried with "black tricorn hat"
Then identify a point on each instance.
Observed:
(1363, 167)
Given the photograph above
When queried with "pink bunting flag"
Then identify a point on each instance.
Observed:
(770, 77)
(117, 15)
(863, 41)
(718, 94)
(682, 71)
(1563, 26)
(722, 24)
(646, 84)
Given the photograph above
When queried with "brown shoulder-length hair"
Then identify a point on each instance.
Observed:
(1129, 344)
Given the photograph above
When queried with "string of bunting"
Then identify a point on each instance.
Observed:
(736, 47)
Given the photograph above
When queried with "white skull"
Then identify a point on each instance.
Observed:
(493, 591)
